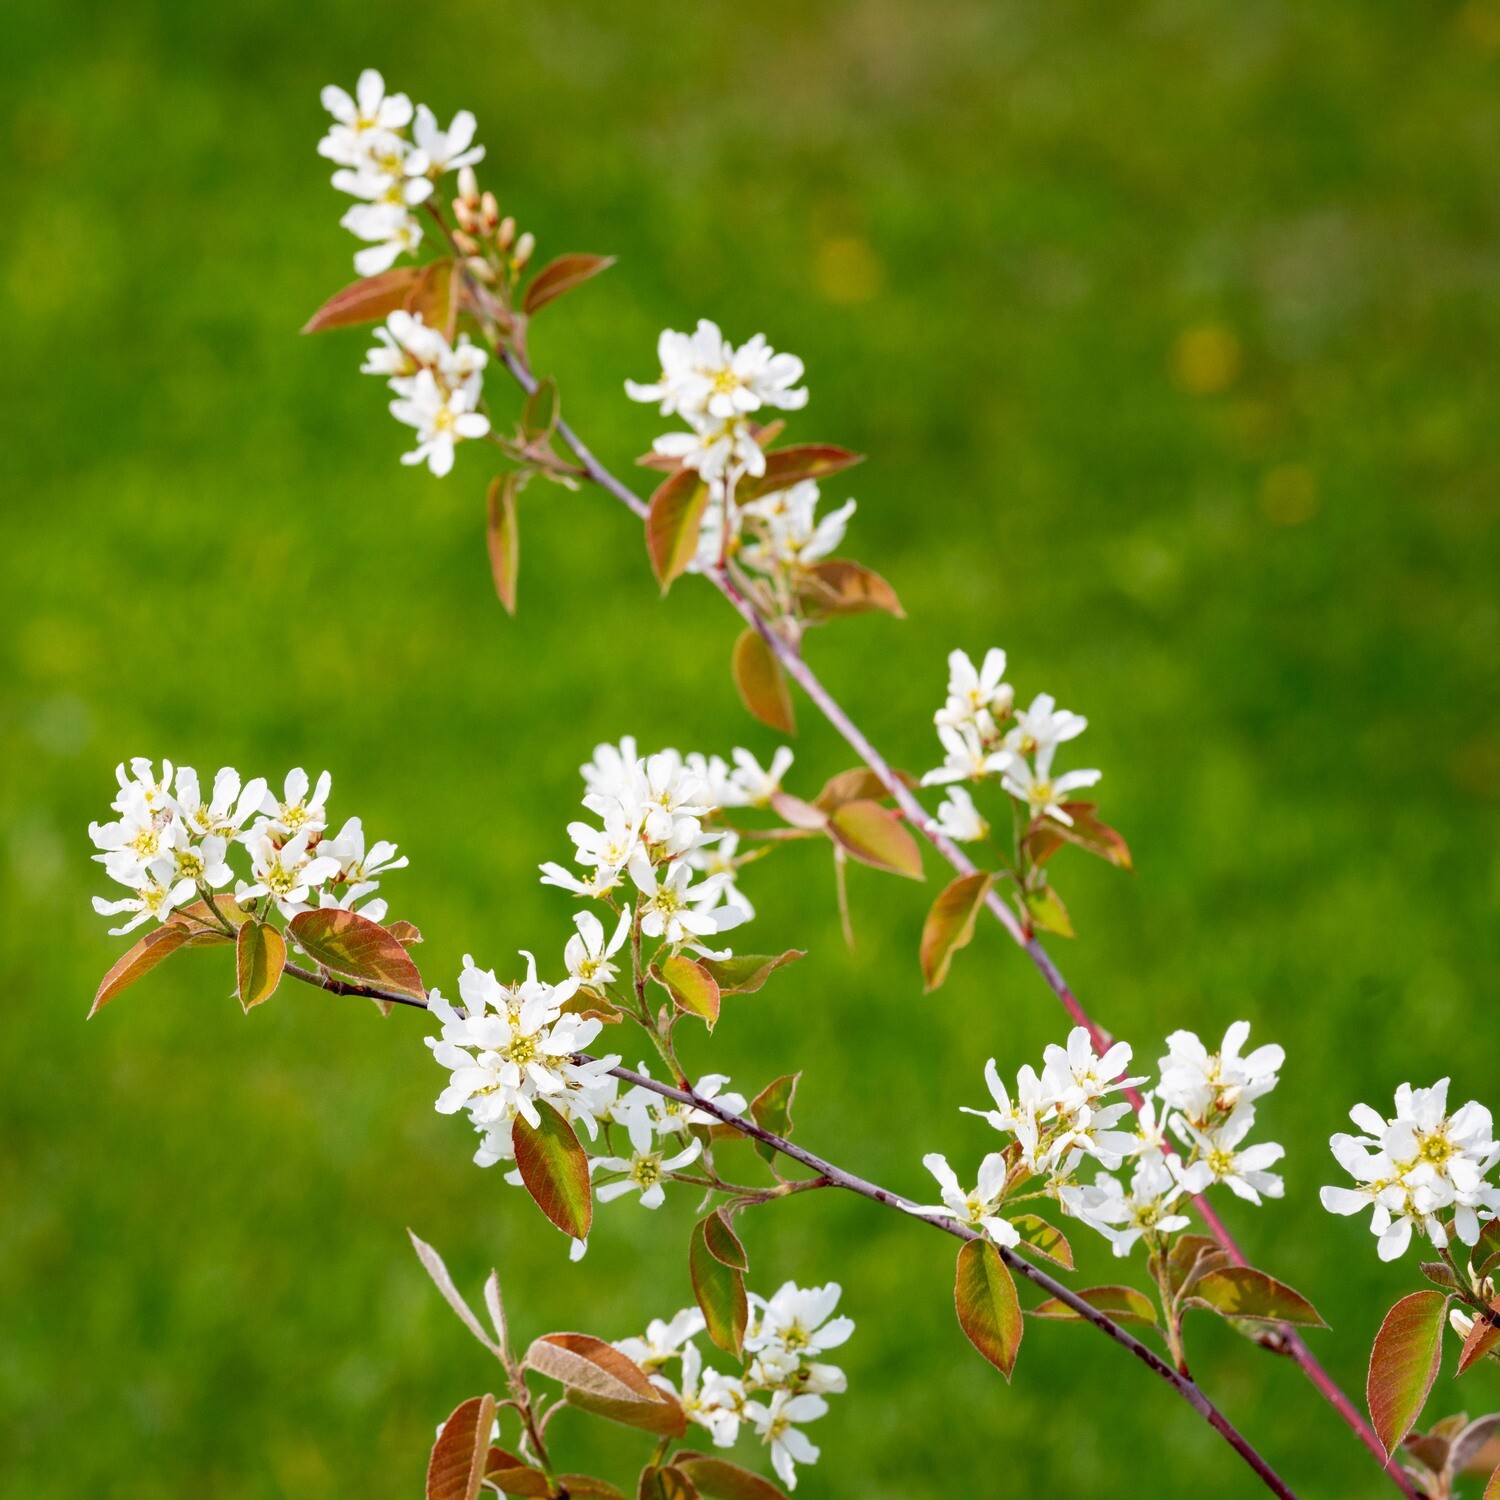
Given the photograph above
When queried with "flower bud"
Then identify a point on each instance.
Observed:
(481, 268)
(1461, 1322)
(490, 209)
(524, 246)
(505, 237)
(466, 243)
(465, 216)
(468, 186)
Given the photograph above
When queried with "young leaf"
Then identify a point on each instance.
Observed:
(950, 924)
(1193, 1256)
(876, 836)
(1404, 1363)
(367, 301)
(665, 1483)
(555, 1170)
(664, 1416)
(586, 1487)
(1123, 1303)
(406, 933)
(1040, 1236)
(503, 537)
(720, 1290)
(539, 411)
(1472, 1449)
(527, 1482)
(796, 813)
(789, 466)
(456, 1468)
(723, 1243)
(1241, 1292)
(356, 948)
(673, 524)
(200, 921)
(584, 1363)
(433, 296)
(152, 949)
(1482, 1337)
(857, 785)
(1492, 1489)
(1046, 836)
(771, 1109)
(717, 1479)
(840, 587)
(433, 1264)
(1047, 911)
(761, 682)
(745, 973)
(988, 1310)
(560, 276)
(692, 988)
(260, 956)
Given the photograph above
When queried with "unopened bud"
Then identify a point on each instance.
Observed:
(524, 246)
(1461, 1322)
(481, 268)
(466, 243)
(505, 237)
(490, 210)
(468, 185)
(465, 215)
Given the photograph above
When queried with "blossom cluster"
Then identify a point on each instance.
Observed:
(438, 386)
(169, 845)
(984, 735)
(1063, 1116)
(782, 1382)
(1419, 1165)
(388, 157)
(718, 391)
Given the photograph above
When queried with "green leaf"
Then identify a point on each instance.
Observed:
(555, 1170)
(1482, 1338)
(761, 682)
(560, 276)
(1243, 1293)
(456, 1467)
(260, 956)
(789, 466)
(837, 586)
(771, 1109)
(368, 301)
(583, 1363)
(723, 1243)
(356, 948)
(719, 1288)
(988, 1310)
(152, 949)
(950, 924)
(673, 523)
(1404, 1364)
(1046, 1240)
(1492, 1489)
(717, 1479)
(876, 836)
(539, 412)
(503, 537)
(745, 973)
(1123, 1304)
(1047, 912)
(1486, 1251)
(693, 989)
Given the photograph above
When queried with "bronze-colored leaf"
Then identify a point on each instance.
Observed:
(1123, 1304)
(771, 1109)
(159, 944)
(503, 536)
(693, 988)
(837, 586)
(354, 947)
(1046, 836)
(860, 784)
(717, 1479)
(723, 1243)
(788, 466)
(584, 1363)
(950, 924)
(876, 836)
(720, 1290)
(673, 524)
(665, 1482)
(762, 684)
(989, 1311)
(665, 1417)
(370, 300)
(555, 1170)
(1037, 1234)
(1242, 1293)
(745, 973)
(1482, 1338)
(561, 276)
(433, 296)
(456, 1467)
(260, 956)
(1404, 1364)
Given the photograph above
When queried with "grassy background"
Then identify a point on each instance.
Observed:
(1170, 329)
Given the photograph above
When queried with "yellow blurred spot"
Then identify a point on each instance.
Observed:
(1289, 495)
(1481, 20)
(1206, 359)
(848, 270)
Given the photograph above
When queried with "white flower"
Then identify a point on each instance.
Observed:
(718, 451)
(1076, 1074)
(788, 531)
(446, 150)
(662, 1341)
(370, 111)
(137, 839)
(295, 811)
(674, 907)
(959, 819)
(1242, 1171)
(711, 1399)
(975, 695)
(1040, 790)
(1044, 725)
(1200, 1082)
(390, 231)
(1121, 1217)
(229, 809)
(722, 858)
(800, 1320)
(775, 1425)
(755, 785)
(703, 375)
(151, 899)
(645, 1169)
(201, 862)
(978, 1208)
(1023, 1119)
(587, 954)
(357, 865)
(668, 1116)
(967, 757)
(442, 418)
(287, 873)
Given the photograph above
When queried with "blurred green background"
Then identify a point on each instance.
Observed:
(1170, 329)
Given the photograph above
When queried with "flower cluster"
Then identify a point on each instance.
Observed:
(511, 1045)
(718, 391)
(781, 1384)
(1059, 1118)
(170, 845)
(388, 170)
(438, 386)
(983, 735)
(652, 812)
(1418, 1166)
